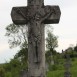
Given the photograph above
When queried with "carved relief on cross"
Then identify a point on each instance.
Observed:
(35, 11)
(21, 15)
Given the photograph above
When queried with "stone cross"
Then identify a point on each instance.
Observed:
(67, 66)
(35, 15)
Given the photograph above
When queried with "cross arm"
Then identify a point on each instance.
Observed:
(18, 15)
(54, 16)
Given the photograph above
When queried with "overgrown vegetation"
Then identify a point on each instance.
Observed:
(54, 60)
(14, 68)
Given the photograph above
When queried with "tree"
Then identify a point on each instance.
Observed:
(17, 35)
(2, 72)
(51, 44)
(51, 41)
(22, 56)
(75, 48)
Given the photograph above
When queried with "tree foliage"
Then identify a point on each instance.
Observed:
(2, 72)
(75, 48)
(51, 44)
(22, 56)
(51, 41)
(17, 35)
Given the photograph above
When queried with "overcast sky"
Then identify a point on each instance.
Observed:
(66, 30)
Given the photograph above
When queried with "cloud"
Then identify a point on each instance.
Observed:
(61, 3)
(65, 43)
(7, 55)
(3, 47)
(68, 24)
(67, 28)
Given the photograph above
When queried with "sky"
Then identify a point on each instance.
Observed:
(66, 30)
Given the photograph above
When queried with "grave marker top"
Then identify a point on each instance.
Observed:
(35, 2)
(22, 15)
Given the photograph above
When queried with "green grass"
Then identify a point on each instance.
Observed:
(60, 70)
(56, 73)
(55, 70)
(74, 68)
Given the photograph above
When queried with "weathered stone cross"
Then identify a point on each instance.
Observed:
(35, 15)
(67, 66)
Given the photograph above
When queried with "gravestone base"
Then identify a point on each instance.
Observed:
(67, 74)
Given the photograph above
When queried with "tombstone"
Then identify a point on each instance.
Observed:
(35, 15)
(67, 66)
(51, 62)
(67, 74)
(46, 67)
(52, 59)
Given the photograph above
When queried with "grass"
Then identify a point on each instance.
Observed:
(59, 72)
(56, 73)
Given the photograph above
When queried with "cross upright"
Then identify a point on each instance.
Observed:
(35, 15)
